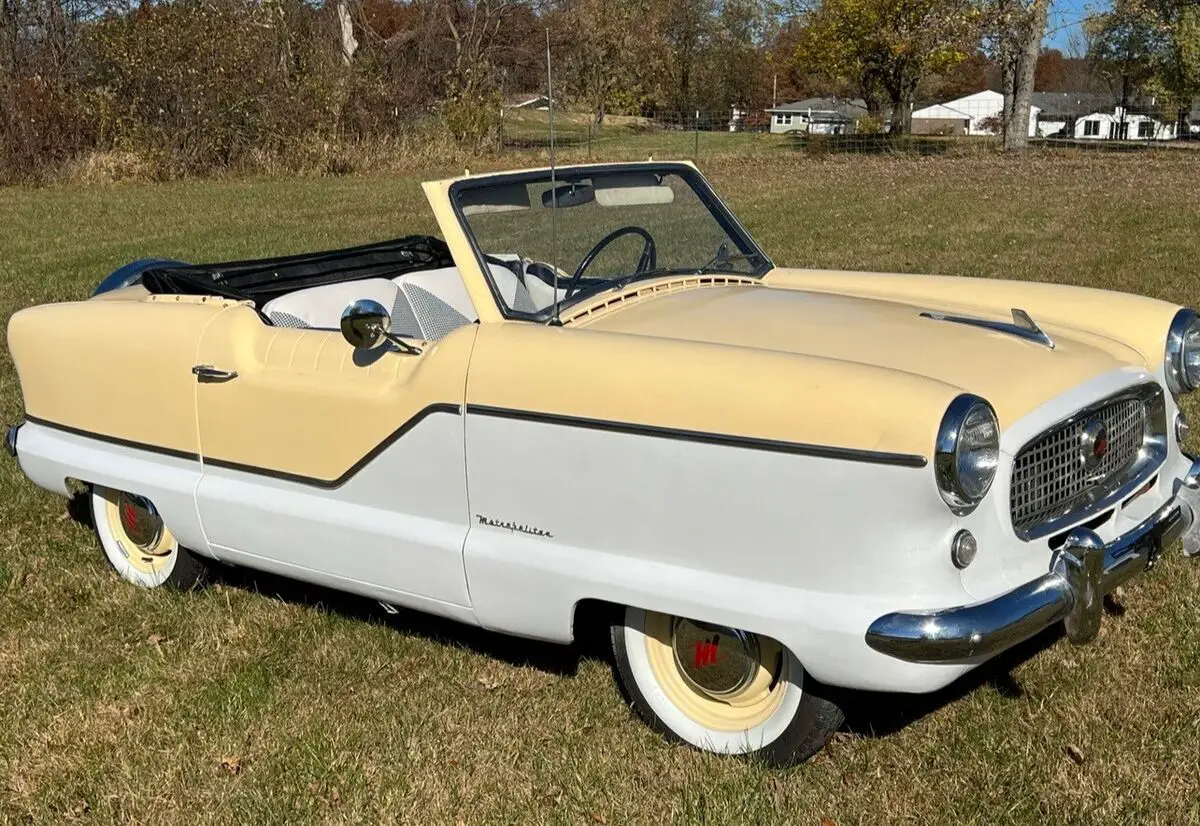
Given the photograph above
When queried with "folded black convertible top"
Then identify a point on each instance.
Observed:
(264, 279)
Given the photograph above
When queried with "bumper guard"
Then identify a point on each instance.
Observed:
(10, 440)
(1081, 572)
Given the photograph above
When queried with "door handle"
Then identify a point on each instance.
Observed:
(206, 372)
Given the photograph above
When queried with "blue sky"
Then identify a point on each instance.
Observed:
(1065, 17)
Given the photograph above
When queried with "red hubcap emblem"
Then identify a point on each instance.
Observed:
(129, 517)
(1093, 444)
(706, 652)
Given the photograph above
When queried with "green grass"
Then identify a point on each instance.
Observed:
(261, 702)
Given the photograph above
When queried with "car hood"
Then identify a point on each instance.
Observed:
(1013, 373)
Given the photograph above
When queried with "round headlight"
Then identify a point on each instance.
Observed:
(1182, 361)
(967, 452)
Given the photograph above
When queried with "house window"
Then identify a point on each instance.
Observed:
(1145, 129)
(783, 120)
(1091, 128)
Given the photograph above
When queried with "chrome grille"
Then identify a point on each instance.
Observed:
(1049, 479)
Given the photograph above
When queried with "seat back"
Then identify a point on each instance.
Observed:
(321, 307)
(436, 300)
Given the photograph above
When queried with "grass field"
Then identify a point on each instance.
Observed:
(256, 701)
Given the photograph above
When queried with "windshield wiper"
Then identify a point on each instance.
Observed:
(722, 259)
(616, 284)
(638, 276)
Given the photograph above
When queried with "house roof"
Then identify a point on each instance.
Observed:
(987, 95)
(1073, 104)
(841, 108)
(940, 111)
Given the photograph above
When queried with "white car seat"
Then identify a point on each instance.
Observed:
(321, 307)
(427, 304)
(436, 300)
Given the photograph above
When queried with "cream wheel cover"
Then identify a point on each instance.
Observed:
(133, 536)
(736, 712)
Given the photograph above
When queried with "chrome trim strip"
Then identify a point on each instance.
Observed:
(1094, 500)
(1022, 325)
(848, 454)
(1173, 353)
(1025, 321)
(1082, 571)
(75, 431)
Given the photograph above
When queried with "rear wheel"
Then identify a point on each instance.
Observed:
(720, 689)
(138, 544)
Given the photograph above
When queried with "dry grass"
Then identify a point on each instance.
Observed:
(257, 701)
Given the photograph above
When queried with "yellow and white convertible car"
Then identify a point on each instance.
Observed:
(595, 391)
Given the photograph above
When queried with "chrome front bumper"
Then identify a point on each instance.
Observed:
(1083, 570)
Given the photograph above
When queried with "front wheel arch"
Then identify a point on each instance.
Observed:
(787, 724)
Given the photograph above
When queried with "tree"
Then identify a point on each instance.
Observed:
(885, 47)
(1013, 31)
(968, 77)
(686, 28)
(736, 69)
(1125, 46)
(1149, 46)
(609, 63)
(1050, 73)
(1177, 66)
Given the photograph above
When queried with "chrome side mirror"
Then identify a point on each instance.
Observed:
(366, 324)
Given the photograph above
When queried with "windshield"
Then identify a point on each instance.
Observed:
(596, 230)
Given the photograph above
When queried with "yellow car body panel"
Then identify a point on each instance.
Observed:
(1113, 321)
(1015, 374)
(119, 368)
(306, 405)
(705, 388)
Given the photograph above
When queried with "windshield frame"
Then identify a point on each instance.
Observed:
(688, 173)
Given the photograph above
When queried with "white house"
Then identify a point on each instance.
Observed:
(1121, 125)
(977, 114)
(818, 116)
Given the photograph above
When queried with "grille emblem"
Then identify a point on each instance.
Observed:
(1093, 444)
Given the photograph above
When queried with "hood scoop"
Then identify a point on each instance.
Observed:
(1022, 325)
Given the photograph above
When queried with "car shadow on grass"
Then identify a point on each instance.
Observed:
(868, 714)
(562, 660)
(879, 714)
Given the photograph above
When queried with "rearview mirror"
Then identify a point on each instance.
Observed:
(568, 195)
(366, 324)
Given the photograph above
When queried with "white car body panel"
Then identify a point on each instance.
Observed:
(398, 524)
(670, 525)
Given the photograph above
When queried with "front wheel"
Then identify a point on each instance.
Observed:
(138, 544)
(720, 689)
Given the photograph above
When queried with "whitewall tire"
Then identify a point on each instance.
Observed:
(138, 545)
(719, 689)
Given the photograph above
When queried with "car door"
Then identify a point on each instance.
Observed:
(339, 466)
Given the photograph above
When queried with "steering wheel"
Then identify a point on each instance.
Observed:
(646, 263)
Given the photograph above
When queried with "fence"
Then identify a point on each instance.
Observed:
(966, 125)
